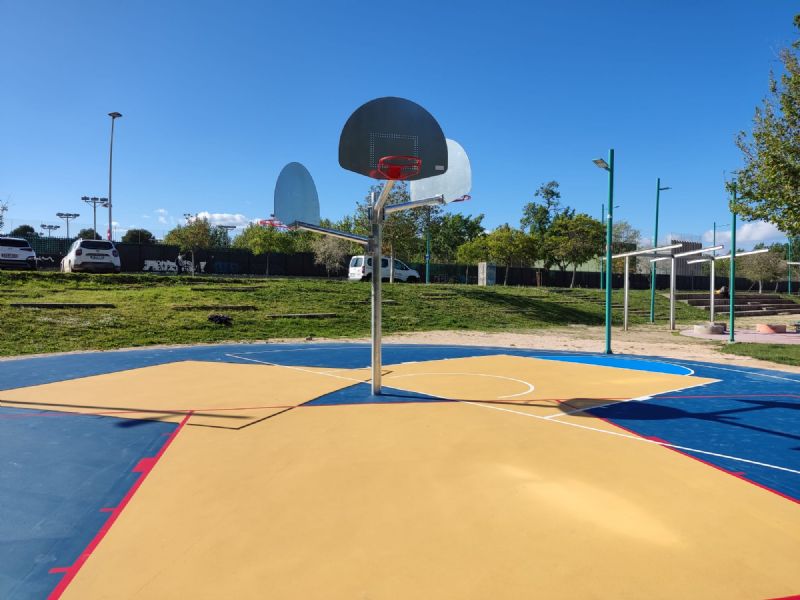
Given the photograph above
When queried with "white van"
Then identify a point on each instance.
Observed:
(361, 270)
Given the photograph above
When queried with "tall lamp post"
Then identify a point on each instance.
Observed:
(114, 116)
(659, 189)
(732, 279)
(94, 201)
(67, 218)
(602, 263)
(49, 228)
(789, 267)
(609, 167)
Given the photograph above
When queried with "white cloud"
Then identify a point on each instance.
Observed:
(747, 234)
(235, 219)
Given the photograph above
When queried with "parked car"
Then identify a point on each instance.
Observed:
(97, 256)
(16, 253)
(361, 270)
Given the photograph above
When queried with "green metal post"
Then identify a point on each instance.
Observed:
(789, 267)
(653, 265)
(609, 229)
(602, 220)
(732, 280)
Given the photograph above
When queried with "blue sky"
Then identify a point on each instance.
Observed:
(218, 96)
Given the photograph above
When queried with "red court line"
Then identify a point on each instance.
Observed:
(666, 444)
(144, 467)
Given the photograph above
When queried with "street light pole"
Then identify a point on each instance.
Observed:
(659, 189)
(114, 116)
(67, 218)
(732, 280)
(602, 220)
(789, 267)
(609, 167)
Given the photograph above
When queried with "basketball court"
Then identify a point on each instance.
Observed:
(272, 471)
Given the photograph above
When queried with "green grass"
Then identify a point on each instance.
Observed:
(785, 354)
(144, 312)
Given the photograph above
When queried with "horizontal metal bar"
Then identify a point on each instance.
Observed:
(700, 251)
(699, 260)
(652, 260)
(350, 237)
(648, 250)
(393, 208)
(738, 254)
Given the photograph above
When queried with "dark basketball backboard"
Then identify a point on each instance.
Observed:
(395, 129)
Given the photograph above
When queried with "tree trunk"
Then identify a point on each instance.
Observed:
(759, 286)
(572, 283)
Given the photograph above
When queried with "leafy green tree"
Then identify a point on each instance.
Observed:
(508, 246)
(574, 240)
(537, 216)
(192, 237)
(261, 240)
(138, 236)
(23, 231)
(88, 234)
(330, 252)
(451, 231)
(624, 238)
(769, 182)
(761, 268)
(474, 251)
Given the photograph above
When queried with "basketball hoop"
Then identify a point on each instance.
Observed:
(399, 167)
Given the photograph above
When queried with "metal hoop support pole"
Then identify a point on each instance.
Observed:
(376, 241)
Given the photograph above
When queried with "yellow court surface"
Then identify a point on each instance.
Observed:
(510, 491)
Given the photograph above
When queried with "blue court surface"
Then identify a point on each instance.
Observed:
(62, 474)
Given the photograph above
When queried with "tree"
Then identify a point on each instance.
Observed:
(330, 252)
(474, 251)
(261, 240)
(507, 246)
(23, 231)
(574, 240)
(759, 268)
(90, 234)
(450, 232)
(624, 238)
(138, 236)
(192, 237)
(537, 217)
(769, 182)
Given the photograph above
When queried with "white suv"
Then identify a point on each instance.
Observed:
(16, 253)
(361, 270)
(98, 256)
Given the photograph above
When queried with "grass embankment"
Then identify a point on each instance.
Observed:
(145, 309)
(784, 354)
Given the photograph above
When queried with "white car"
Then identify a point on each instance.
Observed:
(97, 256)
(361, 270)
(16, 253)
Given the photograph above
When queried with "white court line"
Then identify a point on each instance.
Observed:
(568, 423)
(750, 373)
(639, 399)
(525, 383)
(635, 437)
(301, 369)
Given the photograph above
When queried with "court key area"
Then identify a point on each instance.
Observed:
(271, 471)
